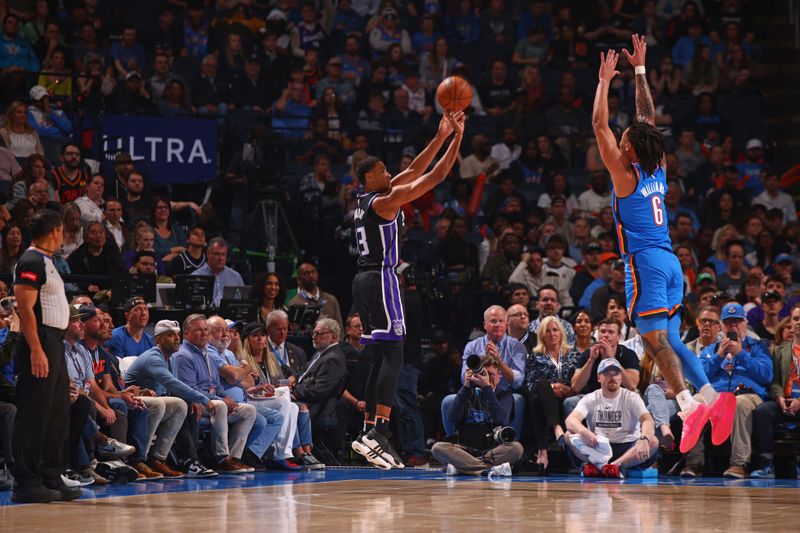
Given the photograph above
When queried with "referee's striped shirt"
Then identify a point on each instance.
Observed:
(36, 269)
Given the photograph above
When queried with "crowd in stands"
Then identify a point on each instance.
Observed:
(520, 241)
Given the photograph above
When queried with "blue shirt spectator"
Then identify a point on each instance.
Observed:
(683, 51)
(16, 52)
(151, 371)
(533, 19)
(290, 114)
(222, 359)
(464, 28)
(347, 20)
(194, 367)
(128, 55)
(122, 344)
(751, 367)
(586, 298)
(511, 352)
(228, 277)
(47, 121)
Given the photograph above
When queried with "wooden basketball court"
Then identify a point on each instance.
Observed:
(416, 500)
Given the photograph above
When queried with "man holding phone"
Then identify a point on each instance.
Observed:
(741, 365)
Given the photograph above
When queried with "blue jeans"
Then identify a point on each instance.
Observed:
(266, 427)
(570, 403)
(303, 435)
(517, 400)
(137, 428)
(413, 431)
(659, 406)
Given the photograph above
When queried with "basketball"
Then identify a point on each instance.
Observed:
(454, 94)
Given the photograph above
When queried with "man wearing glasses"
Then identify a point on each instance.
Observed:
(709, 326)
(548, 304)
(322, 382)
(518, 322)
(69, 179)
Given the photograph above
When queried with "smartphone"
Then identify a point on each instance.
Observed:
(732, 335)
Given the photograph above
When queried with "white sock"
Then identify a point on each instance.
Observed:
(686, 402)
(709, 394)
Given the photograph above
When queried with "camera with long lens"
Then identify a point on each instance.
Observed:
(474, 363)
(502, 434)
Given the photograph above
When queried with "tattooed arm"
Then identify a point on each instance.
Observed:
(645, 111)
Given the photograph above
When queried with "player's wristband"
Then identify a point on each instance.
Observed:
(639, 69)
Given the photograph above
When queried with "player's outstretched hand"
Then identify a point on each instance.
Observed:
(639, 51)
(456, 121)
(446, 126)
(608, 65)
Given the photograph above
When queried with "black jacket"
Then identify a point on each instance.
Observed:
(322, 385)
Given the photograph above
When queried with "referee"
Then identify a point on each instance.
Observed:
(41, 428)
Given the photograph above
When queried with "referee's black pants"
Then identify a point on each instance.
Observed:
(41, 428)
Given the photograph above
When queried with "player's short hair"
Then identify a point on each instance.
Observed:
(649, 145)
(365, 166)
(43, 222)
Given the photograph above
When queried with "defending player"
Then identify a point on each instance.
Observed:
(654, 283)
(376, 290)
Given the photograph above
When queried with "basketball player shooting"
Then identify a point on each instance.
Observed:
(653, 277)
(376, 290)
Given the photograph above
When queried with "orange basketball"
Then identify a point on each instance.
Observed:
(454, 94)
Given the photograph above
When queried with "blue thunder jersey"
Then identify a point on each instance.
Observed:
(641, 218)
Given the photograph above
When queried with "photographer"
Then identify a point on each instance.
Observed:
(743, 366)
(478, 417)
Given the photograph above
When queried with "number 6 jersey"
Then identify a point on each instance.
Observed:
(641, 218)
(377, 240)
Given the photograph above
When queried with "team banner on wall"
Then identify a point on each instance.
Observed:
(167, 150)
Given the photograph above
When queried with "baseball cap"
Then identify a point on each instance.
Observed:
(133, 74)
(254, 327)
(608, 256)
(276, 14)
(704, 276)
(783, 258)
(87, 312)
(123, 157)
(732, 311)
(38, 92)
(389, 11)
(165, 326)
(607, 364)
(619, 264)
(754, 143)
(770, 295)
(335, 60)
(592, 247)
(74, 312)
(132, 302)
(232, 323)
(409, 151)
(403, 268)
(556, 239)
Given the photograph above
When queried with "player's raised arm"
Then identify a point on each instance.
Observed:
(423, 160)
(645, 111)
(606, 141)
(402, 194)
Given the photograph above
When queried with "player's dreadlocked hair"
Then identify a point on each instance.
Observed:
(365, 166)
(649, 145)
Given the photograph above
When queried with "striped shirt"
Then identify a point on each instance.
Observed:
(36, 269)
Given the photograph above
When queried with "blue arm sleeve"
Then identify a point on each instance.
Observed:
(160, 373)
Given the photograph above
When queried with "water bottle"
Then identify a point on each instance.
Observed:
(270, 258)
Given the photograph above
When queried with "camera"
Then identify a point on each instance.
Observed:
(502, 434)
(474, 363)
(732, 335)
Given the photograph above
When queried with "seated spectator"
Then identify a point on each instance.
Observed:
(48, 122)
(602, 278)
(497, 28)
(127, 54)
(531, 49)
(16, 54)
(744, 367)
(701, 74)
(499, 267)
(39, 198)
(584, 328)
(479, 161)
(507, 151)
(90, 203)
(224, 276)
(463, 26)
(709, 328)
(96, 255)
(18, 135)
(497, 95)
(732, 279)
(132, 339)
(143, 241)
(665, 80)
(210, 93)
(232, 57)
(112, 217)
(170, 238)
(231, 422)
(518, 322)
(547, 304)
(312, 31)
(436, 65)
(475, 412)
(683, 51)
(69, 179)
(291, 112)
(597, 197)
(737, 73)
(771, 304)
(321, 384)
(348, 21)
(309, 293)
(73, 230)
(345, 90)
(268, 290)
(619, 434)
(614, 288)
(87, 47)
(9, 167)
(529, 271)
(510, 354)
(456, 252)
(193, 257)
(558, 185)
(548, 377)
(232, 373)
(387, 32)
(607, 347)
(355, 68)
(174, 100)
(131, 97)
(11, 248)
(774, 198)
(783, 405)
